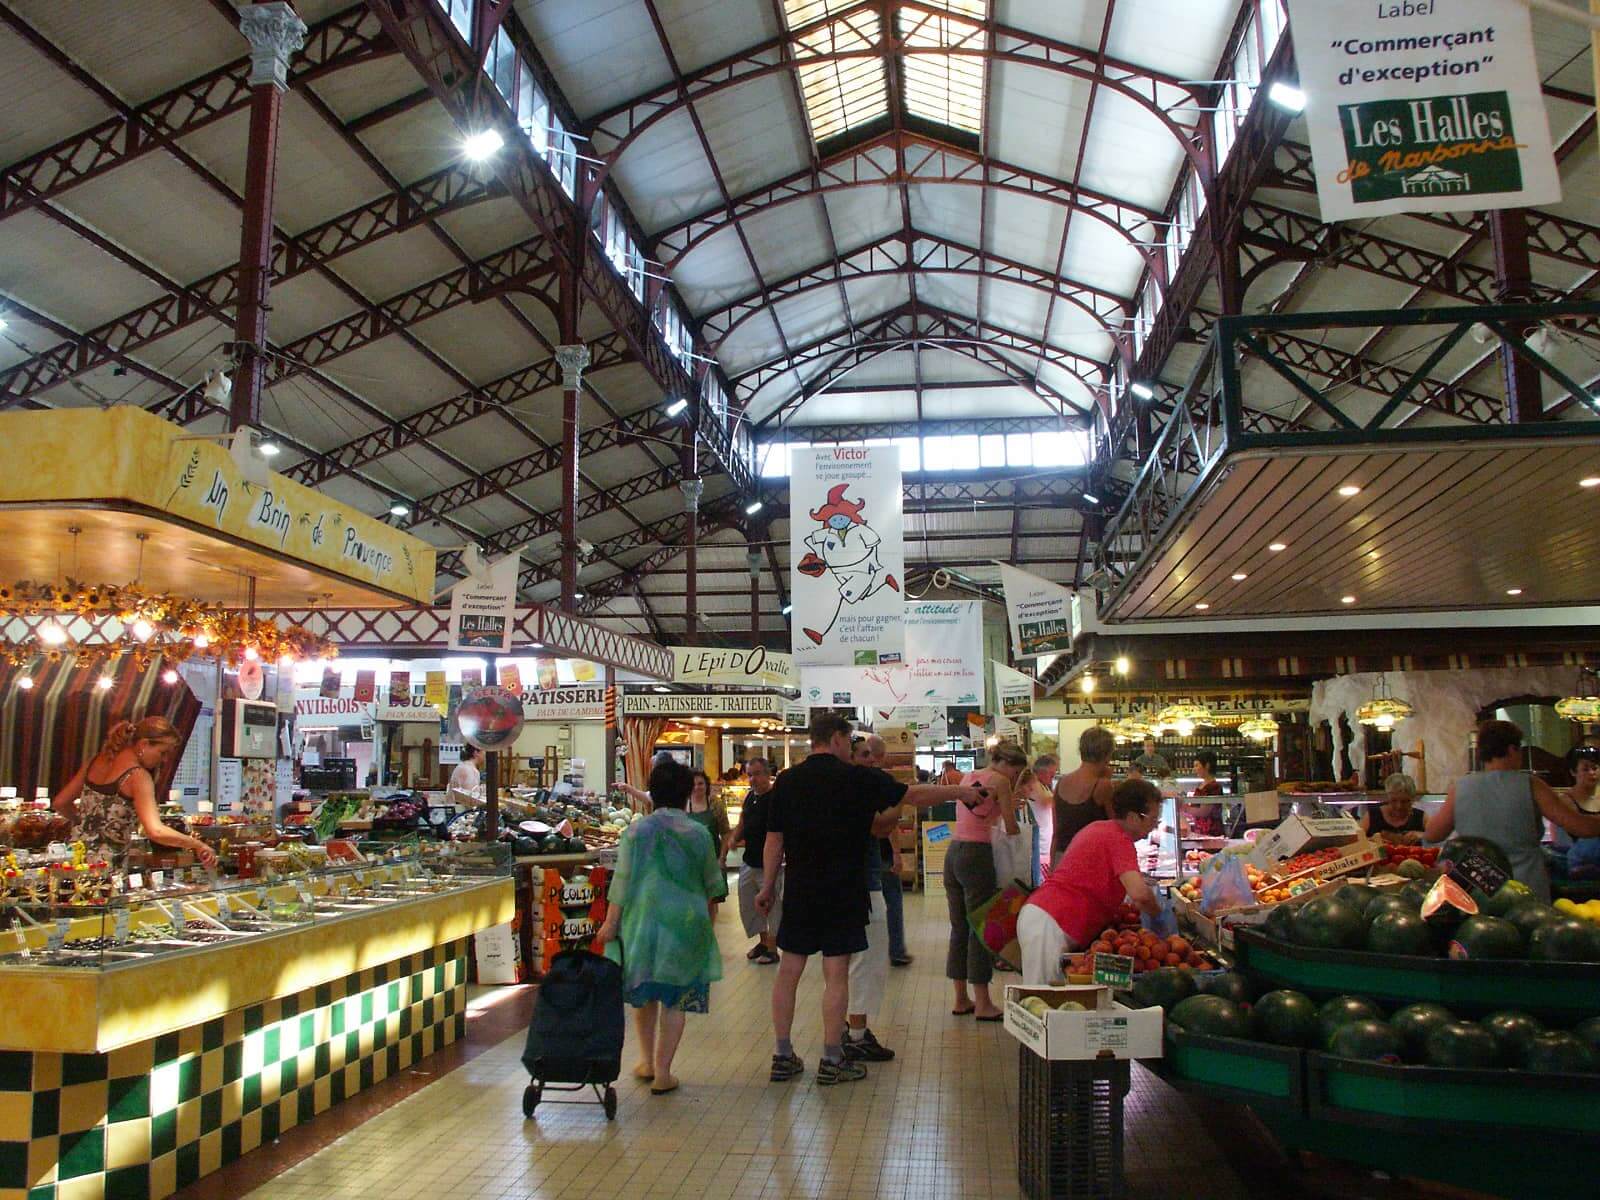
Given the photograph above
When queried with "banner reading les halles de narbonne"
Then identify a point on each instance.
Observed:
(1422, 106)
(847, 547)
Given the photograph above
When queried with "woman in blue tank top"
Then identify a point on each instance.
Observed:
(1503, 803)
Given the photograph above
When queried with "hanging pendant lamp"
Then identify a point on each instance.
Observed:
(1584, 705)
(1383, 710)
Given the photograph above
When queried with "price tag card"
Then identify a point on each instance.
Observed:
(304, 893)
(58, 933)
(120, 924)
(1106, 1033)
(135, 882)
(21, 939)
(1113, 970)
(158, 879)
(175, 914)
(1474, 870)
(224, 904)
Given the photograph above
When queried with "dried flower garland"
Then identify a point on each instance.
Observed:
(154, 625)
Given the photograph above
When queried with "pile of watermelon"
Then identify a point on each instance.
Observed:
(1355, 1027)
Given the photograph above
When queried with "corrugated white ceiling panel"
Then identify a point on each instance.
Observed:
(1076, 21)
(320, 178)
(361, 88)
(1097, 254)
(789, 239)
(56, 107)
(1184, 38)
(863, 215)
(53, 262)
(948, 212)
(756, 131)
(602, 52)
(956, 293)
(714, 273)
(392, 264)
(1036, 117)
(1015, 307)
(1130, 154)
(482, 341)
(138, 50)
(1024, 230)
(827, 409)
(402, 379)
(664, 173)
(705, 31)
(306, 303)
(989, 402)
(415, 143)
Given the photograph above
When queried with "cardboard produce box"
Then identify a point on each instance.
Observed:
(1298, 834)
(1105, 1028)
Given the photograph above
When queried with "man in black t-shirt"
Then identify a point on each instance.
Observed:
(823, 813)
(751, 833)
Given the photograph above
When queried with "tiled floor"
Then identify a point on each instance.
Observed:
(938, 1122)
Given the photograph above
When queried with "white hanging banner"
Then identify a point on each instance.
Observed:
(1013, 692)
(944, 664)
(1040, 613)
(482, 615)
(1423, 106)
(847, 547)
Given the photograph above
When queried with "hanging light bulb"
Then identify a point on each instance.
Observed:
(1087, 684)
(25, 682)
(51, 633)
(104, 683)
(169, 676)
(201, 641)
(1184, 728)
(1258, 729)
(251, 653)
(143, 630)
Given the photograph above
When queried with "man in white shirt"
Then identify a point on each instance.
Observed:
(464, 780)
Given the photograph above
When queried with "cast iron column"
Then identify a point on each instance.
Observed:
(753, 561)
(572, 359)
(1513, 277)
(692, 486)
(275, 33)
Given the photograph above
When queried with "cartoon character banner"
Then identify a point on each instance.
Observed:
(944, 664)
(846, 544)
(1422, 106)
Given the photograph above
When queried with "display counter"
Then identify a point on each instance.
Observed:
(164, 1036)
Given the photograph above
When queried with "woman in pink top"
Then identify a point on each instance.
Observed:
(969, 878)
(1083, 893)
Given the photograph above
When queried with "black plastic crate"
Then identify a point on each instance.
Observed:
(1069, 1138)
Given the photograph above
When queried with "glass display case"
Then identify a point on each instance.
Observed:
(56, 916)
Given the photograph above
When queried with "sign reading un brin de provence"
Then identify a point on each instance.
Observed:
(1422, 106)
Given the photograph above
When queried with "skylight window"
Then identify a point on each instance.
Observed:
(847, 94)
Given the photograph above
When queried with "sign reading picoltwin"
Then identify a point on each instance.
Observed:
(1422, 106)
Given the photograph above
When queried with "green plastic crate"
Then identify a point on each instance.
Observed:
(1566, 992)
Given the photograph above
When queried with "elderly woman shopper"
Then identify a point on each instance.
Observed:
(1036, 785)
(666, 887)
(969, 878)
(1580, 856)
(1502, 802)
(1397, 819)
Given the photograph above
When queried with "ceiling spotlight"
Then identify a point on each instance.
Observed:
(535, 645)
(1589, 481)
(1349, 489)
(1277, 547)
(269, 449)
(398, 510)
(25, 682)
(104, 683)
(677, 406)
(143, 630)
(483, 144)
(753, 508)
(1287, 97)
(1202, 606)
(1142, 390)
(169, 676)
(1087, 684)
(1347, 599)
(1240, 577)
(577, 595)
(1091, 499)
(51, 633)
(1122, 666)
(201, 641)
(1513, 591)
(252, 654)
(787, 609)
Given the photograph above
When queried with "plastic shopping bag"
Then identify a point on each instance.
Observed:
(1014, 855)
(995, 922)
(1225, 886)
(1164, 923)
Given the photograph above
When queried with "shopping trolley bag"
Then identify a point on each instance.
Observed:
(575, 1037)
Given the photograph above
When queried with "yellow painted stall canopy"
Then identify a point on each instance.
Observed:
(118, 472)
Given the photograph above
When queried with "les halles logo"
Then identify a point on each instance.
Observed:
(1398, 148)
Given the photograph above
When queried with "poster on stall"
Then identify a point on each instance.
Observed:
(435, 691)
(399, 689)
(483, 613)
(366, 686)
(944, 664)
(1013, 692)
(1040, 613)
(330, 682)
(545, 673)
(847, 547)
(471, 677)
(1423, 106)
(510, 677)
(900, 752)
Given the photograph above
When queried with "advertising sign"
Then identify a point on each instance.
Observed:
(399, 689)
(587, 703)
(1040, 613)
(846, 544)
(724, 665)
(435, 690)
(1013, 692)
(703, 705)
(944, 664)
(1423, 106)
(482, 615)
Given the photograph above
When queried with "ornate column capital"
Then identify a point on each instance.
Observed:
(275, 33)
(572, 361)
(691, 489)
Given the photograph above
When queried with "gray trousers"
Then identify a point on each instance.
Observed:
(968, 881)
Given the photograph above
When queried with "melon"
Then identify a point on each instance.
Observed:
(1508, 897)
(1459, 847)
(1410, 868)
(1341, 1010)
(1512, 1032)
(1163, 987)
(1228, 984)
(1211, 1015)
(1328, 923)
(1387, 903)
(1279, 924)
(1366, 1038)
(1486, 937)
(1461, 1044)
(1415, 1022)
(1565, 939)
(1589, 1031)
(1285, 1018)
(1559, 1053)
(1529, 915)
(1400, 933)
(1357, 895)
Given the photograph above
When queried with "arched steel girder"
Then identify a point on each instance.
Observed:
(928, 255)
(937, 165)
(1155, 92)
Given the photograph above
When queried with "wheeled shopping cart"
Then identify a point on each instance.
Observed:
(575, 1037)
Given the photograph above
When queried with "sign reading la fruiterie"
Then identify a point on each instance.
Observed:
(1423, 106)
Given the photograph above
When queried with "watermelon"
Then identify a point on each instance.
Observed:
(1400, 933)
(1230, 985)
(1211, 1015)
(1279, 924)
(1416, 892)
(1447, 902)
(1507, 898)
(1367, 1039)
(1415, 1022)
(1459, 846)
(1565, 939)
(1410, 868)
(1529, 915)
(1559, 1053)
(1329, 924)
(1285, 1018)
(1486, 937)
(1357, 895)
(1388, 903)
(1512, 1032)
(1163, 987)
(1341, 1010)
(1588, 1031)
(1461, 1044)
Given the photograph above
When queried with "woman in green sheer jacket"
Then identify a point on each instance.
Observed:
(666, 887)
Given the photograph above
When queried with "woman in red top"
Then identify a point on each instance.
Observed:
(1083, 893)
(1205, 820)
